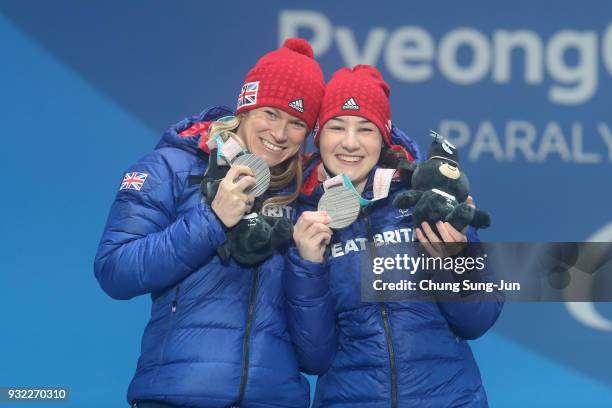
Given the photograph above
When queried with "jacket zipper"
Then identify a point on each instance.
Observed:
(245, 349)
(173, 305)
(175, 300)
(385, 318)
(384, 312)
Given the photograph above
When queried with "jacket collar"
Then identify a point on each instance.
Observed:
(173, 138)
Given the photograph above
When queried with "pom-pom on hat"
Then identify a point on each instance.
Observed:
(289, 79)
(360, 91)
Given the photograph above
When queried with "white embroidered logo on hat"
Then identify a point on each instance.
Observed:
(350, 104)
(298, 105)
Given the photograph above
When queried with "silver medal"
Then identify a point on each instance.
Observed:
(260, 170)
(342, 206)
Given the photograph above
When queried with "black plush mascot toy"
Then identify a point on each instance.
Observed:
(439, 189)
(256, 236)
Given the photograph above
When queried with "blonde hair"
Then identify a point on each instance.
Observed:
(281, 175)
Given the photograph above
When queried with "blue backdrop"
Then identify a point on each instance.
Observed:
(86, 89)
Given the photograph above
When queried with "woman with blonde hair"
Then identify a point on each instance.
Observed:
(217, 335)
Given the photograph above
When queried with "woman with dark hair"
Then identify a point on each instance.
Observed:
(217, 335)
(374, 354)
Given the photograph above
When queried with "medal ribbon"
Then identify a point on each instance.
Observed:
(226, 151)
(382, 183)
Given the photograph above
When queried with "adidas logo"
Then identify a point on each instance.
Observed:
(298, 105)
(350, 104)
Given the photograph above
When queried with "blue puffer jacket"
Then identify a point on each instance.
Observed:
(393, 354)
(217, 336)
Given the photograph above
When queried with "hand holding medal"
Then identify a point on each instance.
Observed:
(338, 208)
(231, 202)
(312, 235)
(248, 177)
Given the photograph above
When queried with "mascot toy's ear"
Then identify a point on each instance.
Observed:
(442, 149)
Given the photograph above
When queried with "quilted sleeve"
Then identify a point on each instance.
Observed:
(474, 314)
(310, 313)
(145, 248)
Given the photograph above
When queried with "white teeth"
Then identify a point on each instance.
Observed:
(271, 146)
(349, 158)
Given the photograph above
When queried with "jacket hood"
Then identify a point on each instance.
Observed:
(173, 138)
(401, 139)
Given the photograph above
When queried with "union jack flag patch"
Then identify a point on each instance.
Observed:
(133, 181)
(248, 94)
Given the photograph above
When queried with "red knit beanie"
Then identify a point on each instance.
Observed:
(288, 79)
(360, 91)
